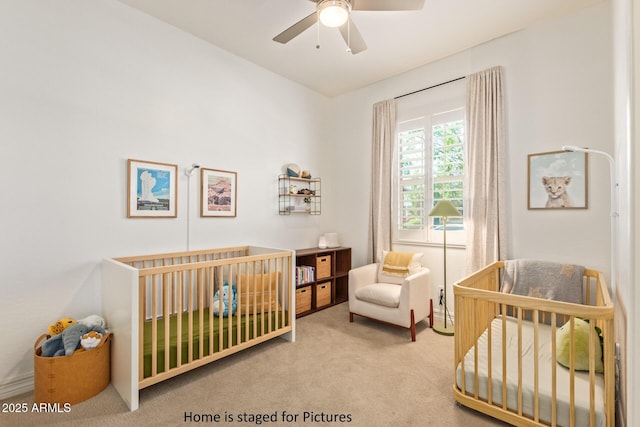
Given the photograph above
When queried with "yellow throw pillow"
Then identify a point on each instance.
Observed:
(414, 266)
(397, 263)
(257, 293)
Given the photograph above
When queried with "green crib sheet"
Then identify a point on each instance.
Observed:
(279, 320)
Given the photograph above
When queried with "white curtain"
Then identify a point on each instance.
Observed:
(485, 212)
(382, 135)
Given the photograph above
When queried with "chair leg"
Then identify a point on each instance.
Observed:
(431, 313)
(351, 317)
(413, 327)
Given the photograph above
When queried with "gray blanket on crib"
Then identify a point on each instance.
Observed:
(543, 279)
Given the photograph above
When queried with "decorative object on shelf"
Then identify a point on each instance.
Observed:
(444, 209)
(218, 193)
(305, 174)
(332, 240)
(293, 189)
(558, 180)
(322, 242)
(293, 170)
(152, 190)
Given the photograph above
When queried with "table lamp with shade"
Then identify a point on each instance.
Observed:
(444, 209)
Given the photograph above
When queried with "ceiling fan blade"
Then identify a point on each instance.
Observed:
(296, 28)
(352, 37)
(387, 4)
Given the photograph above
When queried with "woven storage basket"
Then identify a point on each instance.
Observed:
(71, 379)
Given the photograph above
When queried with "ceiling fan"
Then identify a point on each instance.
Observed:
(337, 14)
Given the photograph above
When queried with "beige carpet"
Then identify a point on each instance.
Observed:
(336, 373)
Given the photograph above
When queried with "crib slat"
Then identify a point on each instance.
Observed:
(457, 308)
(211, 292)
(536, 370)
(267, 291)
(255, 302)
(229, 302)
(554, 408)
(592, 372)
(489, 359)
(190, 318)
(154, 327)
(180, 304)
(520, 361)
(269, 295)
(504, 357)
(476, 378)
(572, 372)
(220, 310)
(200, 309)
(166, 279)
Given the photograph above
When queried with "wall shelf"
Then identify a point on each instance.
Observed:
(299, 195)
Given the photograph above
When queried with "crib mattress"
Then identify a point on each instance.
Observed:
(544, 383)
(262, 320)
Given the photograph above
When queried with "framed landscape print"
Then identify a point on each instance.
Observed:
(152, 189)
(218, 190)
(558, 180)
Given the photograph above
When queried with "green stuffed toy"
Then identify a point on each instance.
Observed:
(66, 343)
(581, 340)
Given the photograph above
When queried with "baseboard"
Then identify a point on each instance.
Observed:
(15, 386)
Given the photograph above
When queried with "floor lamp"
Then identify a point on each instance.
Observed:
(444, 209)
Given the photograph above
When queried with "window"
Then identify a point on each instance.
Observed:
(429, 162)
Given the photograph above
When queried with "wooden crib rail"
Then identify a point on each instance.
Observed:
(478, 304)
(185, 257)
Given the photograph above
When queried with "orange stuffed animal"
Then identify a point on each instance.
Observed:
(60, 325)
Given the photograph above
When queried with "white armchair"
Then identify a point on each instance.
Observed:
(394, 300)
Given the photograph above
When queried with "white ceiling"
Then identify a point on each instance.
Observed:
(397, 41)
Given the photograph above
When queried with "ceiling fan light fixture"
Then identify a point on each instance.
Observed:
(333, 13)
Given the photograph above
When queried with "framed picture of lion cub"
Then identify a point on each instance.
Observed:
(558, 180)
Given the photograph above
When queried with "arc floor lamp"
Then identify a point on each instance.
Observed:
(614, 206)
(444, 209)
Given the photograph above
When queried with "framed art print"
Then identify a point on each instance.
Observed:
(218, 193)
(152, 189)
(557, 180)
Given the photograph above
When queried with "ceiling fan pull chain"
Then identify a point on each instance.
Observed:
(348, 35)
(318, 31)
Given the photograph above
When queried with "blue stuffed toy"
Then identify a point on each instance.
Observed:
(225, 300)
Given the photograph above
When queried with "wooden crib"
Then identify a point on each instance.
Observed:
(503, 336)
(161, 310)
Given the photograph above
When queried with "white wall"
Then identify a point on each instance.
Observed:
(558, 89)
(83, 87)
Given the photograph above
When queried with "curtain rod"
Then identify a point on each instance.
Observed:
(430, 87)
